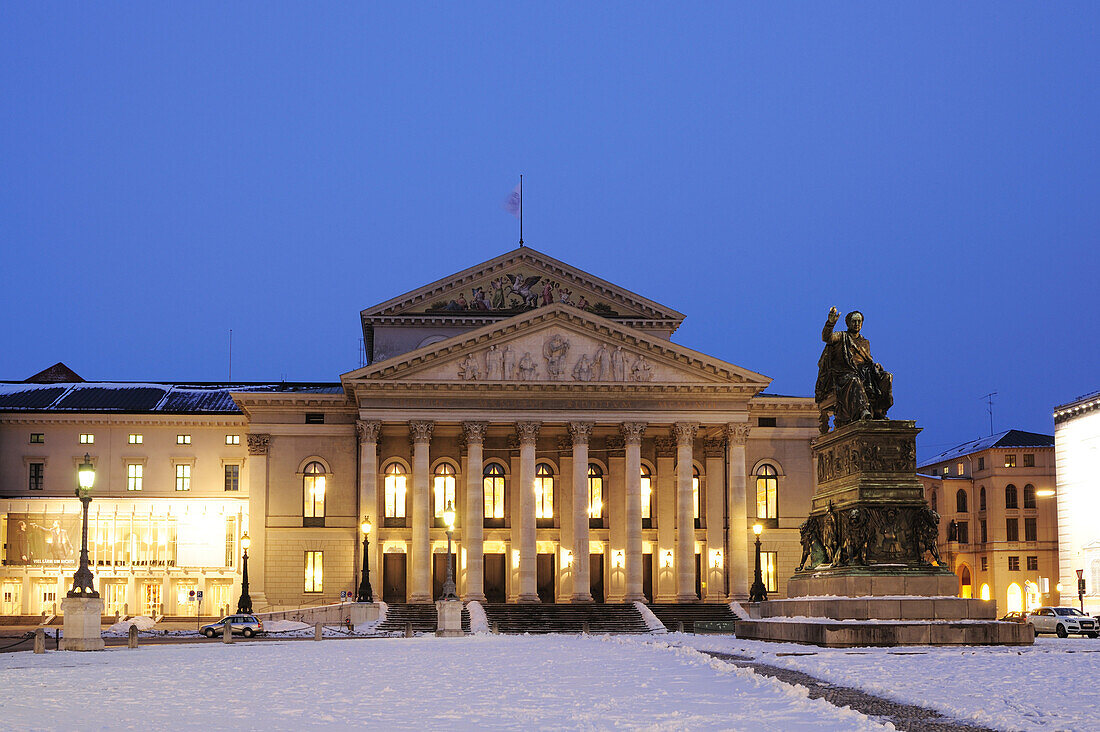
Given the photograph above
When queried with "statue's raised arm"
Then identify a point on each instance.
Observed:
(827, 334)
(850, 385)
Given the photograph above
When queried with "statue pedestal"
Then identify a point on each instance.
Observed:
(82, 629)
(448, 618)
(869, 555)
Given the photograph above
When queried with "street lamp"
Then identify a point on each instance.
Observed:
(365, 593)
(82, 580)
(244, 604)
(757, 593)
(449, 584)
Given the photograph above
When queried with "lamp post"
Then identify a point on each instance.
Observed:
(82, 580)
(365, 593)
(757, 593)
(244, 604)
(449, 584)
(1080, 584)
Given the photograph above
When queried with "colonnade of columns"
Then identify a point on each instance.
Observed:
(734, 541)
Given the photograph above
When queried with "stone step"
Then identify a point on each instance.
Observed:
(421, 615)
(672, 614)
(549, 618)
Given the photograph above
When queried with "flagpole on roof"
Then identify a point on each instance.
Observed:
(521, 209)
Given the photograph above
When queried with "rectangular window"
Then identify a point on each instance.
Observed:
(595, 497)
(769, 562)
(232, 477)
(315, 418)
(981, 463)
(134, 474)
(315, 571)
(695, 499)
(1031, 531)
(765, 421)
(183, 477)
(1029, 460)
(136, 439)
(87, 439)
(1010, 461)
(183, 439)
(1013, 564)
(230, 542)
(1033, 564)
(232, 439)
(985, 564)
(964, 532)
(36, 472)
(985, 531)
(37, 438)
(1012, 529)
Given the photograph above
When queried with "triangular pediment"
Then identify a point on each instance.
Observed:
(517, 282)
(558, 344)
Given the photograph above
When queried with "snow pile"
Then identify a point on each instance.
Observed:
(651, 621)
(122, 627)
(283, 626)
(479, 623)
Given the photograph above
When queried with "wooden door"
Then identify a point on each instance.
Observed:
(496, 588)
(394, 577)
(595, 568)
(546, 577)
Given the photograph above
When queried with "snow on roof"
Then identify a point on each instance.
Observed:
(1008, 438)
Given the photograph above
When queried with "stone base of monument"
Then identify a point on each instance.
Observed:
(448, 618)
(829, 633)
(82, 630)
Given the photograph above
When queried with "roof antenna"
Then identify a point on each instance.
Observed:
(989, 398)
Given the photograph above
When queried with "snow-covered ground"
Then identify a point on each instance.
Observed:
(477, 682)
(1053, 685)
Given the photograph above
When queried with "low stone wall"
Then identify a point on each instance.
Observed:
(355, 613)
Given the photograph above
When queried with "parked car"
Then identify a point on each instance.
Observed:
(1063, 621)
(1014, 617)
(246, 625)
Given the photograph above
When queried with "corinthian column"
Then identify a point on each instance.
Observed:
(632, 434)
(528, 434)
(685, 513)
(738, 555)
(473, 530)
(582, 579)
(421, 435)
(368, 487)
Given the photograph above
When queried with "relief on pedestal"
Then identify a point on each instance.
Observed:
(867, 535)
(872, 454)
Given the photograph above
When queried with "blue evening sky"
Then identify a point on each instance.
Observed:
(171, 172)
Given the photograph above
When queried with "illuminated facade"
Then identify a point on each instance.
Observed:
(999, 520)
(1077, 451)
(587, 456)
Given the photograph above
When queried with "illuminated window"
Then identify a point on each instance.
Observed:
(396, 493)
(136, 439)
(959, 469)
(493, 484)
(314, 482)
(544, 491)
(647, 498)
(232, 477)
(183, 439)
(695, 494)
(960, 501)
(1011, 500)
(444, 488)
(87, 439)
(1013, 564)
(981, 498)
(37, 470)
(134, 474)
(315, 571)
(1029, 460)
(595, 493)
(232, 439)
(769, 562)
(985, 567)
(1029, 496)
(1010, 461)
(767, 489)
(183, 477)
(38, 438)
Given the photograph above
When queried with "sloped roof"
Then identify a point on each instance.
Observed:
(1008, 438)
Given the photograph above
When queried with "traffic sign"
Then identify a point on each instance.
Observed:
(343, 595)
(199, 595)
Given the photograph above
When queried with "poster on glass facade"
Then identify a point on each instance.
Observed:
(43, 539)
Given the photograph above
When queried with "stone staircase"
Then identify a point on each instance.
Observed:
(671, 614)
(422, 615)
(550, 618)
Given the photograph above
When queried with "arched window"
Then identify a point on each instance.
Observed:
(934, 502)
(960, 501)
(647, 498)
(443, 484)
(493, 484)
(313, 493)
(767, 489)
(544, 492)
(1010, 497)
(595, 495)
(981, 498)
(695, 494)
(396, 487)
(985, 594)
(1015, 598)
(1029, 496)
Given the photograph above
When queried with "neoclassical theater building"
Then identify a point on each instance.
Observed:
(588, 457)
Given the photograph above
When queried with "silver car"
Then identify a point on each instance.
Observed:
(1062, 621)
(246, 625)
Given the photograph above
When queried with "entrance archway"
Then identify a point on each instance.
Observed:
(965, 588)
(985, 591)
(1015, 598)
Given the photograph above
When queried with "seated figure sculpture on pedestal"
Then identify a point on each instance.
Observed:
(849, 382)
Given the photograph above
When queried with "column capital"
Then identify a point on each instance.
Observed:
(684, 432)
(581, 431)
(474, 432)
(368, 431)
(421, 430)
(258, 444)
(632, 432)
(714, 447)
(527, 432)
(738, 433)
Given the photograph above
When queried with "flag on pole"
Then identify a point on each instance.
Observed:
(513, 202)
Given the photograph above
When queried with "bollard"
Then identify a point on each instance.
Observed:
(227, 633)
(131, 637)
(408, 629)
(679, 626)
(317, 631)
(57, 640)
(496, 628)
(40, 640)
(584, 627)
